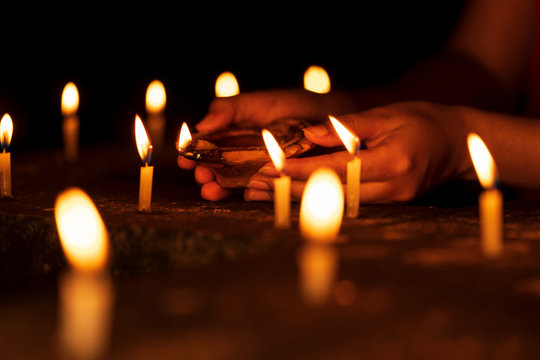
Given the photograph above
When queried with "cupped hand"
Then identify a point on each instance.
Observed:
(410, 147)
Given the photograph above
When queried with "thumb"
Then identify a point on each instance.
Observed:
(220, 114)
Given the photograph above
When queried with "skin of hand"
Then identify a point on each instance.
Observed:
(410, 147)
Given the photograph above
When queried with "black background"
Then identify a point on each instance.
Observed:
(113, 52)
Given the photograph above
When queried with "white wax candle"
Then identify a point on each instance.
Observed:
(282, 202)
(86, 300)
(70, 129)
(5, 174)
(318, 269)
(491, 222)
(353, 187)
(145, 188)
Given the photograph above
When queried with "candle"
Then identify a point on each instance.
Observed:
(147, 172)
(156, 99)
(321, 212)
(490, 201)
(70, 124)
(86, 291)
(354, 167)
(282, 185)
(226, 85)
(6, 131)
(316, 80)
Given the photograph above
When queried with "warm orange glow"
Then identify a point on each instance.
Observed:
(349, 139)
(184, 137)
(321, 209)
(143, 142)
(81, 230)
(6, 130)
(226, 85)
(274, 150)
(155, 97)
(70, 99)
(482, 160)
(316, 79)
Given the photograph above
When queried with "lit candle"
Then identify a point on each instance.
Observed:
(282, 185)
(490, 201)
(156, 99)
(316, 80)
(70, 124)
(86, 292)
(6, 131)
(321, 212)
(354, 167)
(226, 85)
(147, 172)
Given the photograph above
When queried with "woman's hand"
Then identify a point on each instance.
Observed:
(410, 147)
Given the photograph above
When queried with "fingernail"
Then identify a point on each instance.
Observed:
(268, 171)
(256, 195)
(258, 185)
(317, 130)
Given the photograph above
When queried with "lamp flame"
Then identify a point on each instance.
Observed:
(156, 97)
(226, 85)
(321, 209)
(274, 150)
(316, 80)
(81, 230)
(184, 137)
(349, 139)
(143, 142)
(483, 162)
(70, 99)
(6, 130)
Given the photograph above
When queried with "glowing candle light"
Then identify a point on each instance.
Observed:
(490, 201)
(6, 131)
(147, 172)
(70, 124)
(184, 138)
(86, 292)
(321, 212)
(156, 99)
(354, 167)
(226, 85)
(282, 185)
(316, 80)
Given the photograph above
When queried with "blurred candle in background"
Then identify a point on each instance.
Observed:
(70, 123)
(156, 99)
(316, 80)
(227, 85)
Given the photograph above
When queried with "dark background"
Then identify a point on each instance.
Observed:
(112, 53)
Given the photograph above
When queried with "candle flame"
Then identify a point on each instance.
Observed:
(349, 139)
(81, 230)
(184, 137)
(70, 99)
(143, 142)
(155, 97)
(274, 150)
(482, 160)
(6, 130)
(321, 209)
(316, 80)
(226, 85)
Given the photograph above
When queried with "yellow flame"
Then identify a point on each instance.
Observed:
(143, 142)
(482, 160)
(349, 139)
(70, 99)
(226, 85)
(184, 137)
(316, 80)
(6, 130)
(274, 150)
(321, 209)
(156, 97)
(81, 230)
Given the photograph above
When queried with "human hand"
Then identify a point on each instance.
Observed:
(410, 147)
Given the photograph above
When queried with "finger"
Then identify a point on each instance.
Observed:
(220, 114)
(213, 192)
(185, 163)
(203, 175)
(257, 195)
